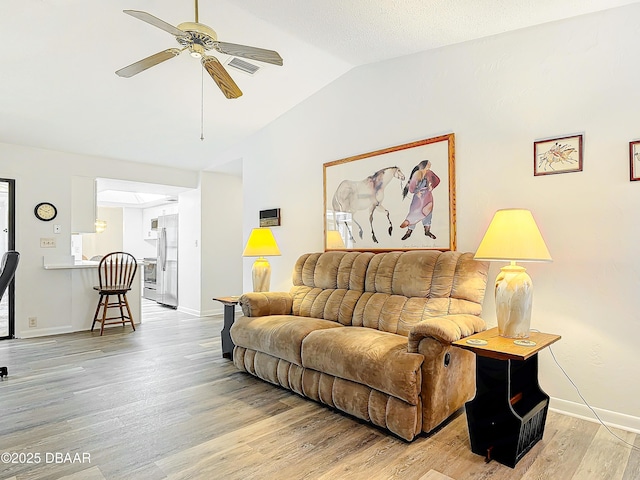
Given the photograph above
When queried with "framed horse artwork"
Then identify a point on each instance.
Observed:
(397, 198)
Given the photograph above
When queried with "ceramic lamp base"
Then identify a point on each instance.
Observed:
(514, 297)
(261, 275)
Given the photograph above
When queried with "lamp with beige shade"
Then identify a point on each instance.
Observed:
(513, 236)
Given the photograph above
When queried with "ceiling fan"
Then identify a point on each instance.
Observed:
(198, 39)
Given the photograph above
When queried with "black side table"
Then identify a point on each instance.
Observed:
(508, 414)
(229, 316)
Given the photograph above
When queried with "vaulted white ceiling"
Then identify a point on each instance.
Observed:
(58, 89)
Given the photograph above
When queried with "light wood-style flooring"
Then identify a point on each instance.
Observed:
(161, 403)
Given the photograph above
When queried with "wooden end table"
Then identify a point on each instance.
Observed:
(229, 316)
(507, 416)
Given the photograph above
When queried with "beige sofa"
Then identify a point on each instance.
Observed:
(370, 334)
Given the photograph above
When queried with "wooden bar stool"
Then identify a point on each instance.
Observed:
(115, 274)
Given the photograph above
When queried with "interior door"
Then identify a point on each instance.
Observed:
(7, 242)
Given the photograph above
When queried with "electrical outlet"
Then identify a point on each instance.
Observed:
(33, 322)
(47, 243)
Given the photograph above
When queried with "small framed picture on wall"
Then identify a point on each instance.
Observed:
(557, 155)
(634, 160)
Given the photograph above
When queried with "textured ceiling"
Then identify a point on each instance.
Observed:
(365, 31)
(58, 89)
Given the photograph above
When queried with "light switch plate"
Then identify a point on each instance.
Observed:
(57, 228)
(47, 243)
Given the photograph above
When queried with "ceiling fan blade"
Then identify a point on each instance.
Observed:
(260, 54)
(141, 65)
(156, 22)
(221, 77)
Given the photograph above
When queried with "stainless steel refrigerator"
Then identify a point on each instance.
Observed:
(167, 266)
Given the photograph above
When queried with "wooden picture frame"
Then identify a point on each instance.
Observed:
(373, 200)
(634, 160)
(557, 155)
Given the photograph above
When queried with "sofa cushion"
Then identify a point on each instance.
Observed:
(328, 285)
(366, 356)
(278, 335)
(330, 270)
(336, 305)
(390, 291)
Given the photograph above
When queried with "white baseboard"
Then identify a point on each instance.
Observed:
(43, 332)
(199, 313)
(189, 311)
(611, 419)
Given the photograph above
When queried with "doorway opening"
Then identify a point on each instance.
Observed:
(7, 242)
(141, 219)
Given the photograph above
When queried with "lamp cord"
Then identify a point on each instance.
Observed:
(587, 403)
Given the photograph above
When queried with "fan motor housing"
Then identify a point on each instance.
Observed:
(199, 34)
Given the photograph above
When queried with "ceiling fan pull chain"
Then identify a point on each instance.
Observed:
(201, 103)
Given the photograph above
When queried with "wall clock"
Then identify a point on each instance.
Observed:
(45, 211)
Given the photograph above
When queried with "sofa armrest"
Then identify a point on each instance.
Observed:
(260, 304)
(445, 329)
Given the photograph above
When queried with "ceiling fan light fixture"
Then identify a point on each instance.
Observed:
(196, 51)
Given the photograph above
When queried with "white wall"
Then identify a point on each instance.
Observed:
(189, 252)
(221, 239)
(43, 175)
(111, 240)
(210, 263)
(133, 230)
(497, 95)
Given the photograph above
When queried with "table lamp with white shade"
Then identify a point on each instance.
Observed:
(261, 243)
(513, 236)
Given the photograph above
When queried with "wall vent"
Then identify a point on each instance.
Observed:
(243, 66)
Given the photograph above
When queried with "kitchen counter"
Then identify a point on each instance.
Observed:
(84, 275)
(52, 264)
